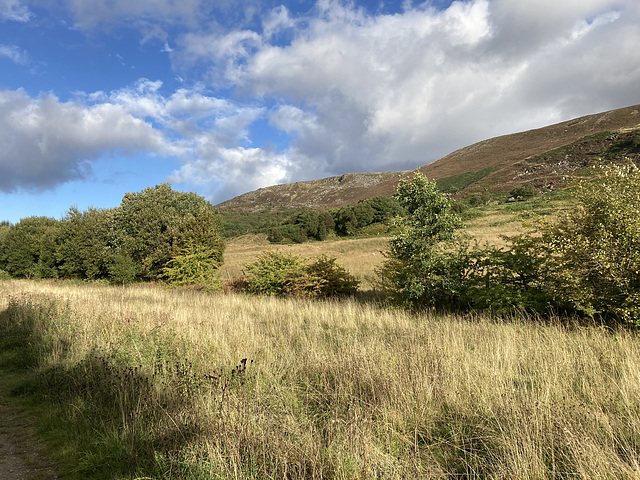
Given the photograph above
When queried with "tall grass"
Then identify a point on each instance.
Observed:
(150, 383)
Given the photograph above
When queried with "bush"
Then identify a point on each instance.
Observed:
(272, 272)
(523, 192)
(324, 277)
(278, 273)
(592, 254)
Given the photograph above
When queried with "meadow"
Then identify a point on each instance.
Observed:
(145, 382)
(361, 256)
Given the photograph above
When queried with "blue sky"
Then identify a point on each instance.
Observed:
(222, 97)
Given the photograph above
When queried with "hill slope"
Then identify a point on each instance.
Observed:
(544, 157)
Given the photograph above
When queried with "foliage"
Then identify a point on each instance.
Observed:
(508, 278)
(152, 227)
(85, 239)
(305, 225)
(592, 254)
(148, 222)
(239, 222)
(279, 273)
(523, 192)
(122, 269)
(480, 199)
(324, 277)
(192, 265)
(273, 272)
(197, 250)
(351, 219)
(27, 249)
(420, 270)
(151, 231)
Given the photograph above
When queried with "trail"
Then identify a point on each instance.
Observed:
(21, 456)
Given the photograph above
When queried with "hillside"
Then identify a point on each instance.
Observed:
(325, 193)
(545, 157)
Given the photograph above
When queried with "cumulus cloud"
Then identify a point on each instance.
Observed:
(45, 142)
(353, 89)
(229, 171)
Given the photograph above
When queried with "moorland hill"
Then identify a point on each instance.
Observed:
(546, 158)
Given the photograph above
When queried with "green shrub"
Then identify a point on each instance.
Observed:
(508, 278)
(592, 254)
(272, 272)
(523, 192)
(421, 269)
(324, 277)
(279, 273)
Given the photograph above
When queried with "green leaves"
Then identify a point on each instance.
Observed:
(593, 252)
(27, 248)
(155, 233)
(418, 271)
(279, 273)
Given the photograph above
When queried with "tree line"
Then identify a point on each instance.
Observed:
(585, 261)
(155, 234)
(306, 224)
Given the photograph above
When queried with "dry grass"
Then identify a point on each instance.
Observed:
(330, 390)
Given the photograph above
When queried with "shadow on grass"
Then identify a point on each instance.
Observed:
(101, 419)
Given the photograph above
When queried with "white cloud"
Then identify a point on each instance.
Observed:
(46, 142)
(206, 133)
(15, 54)
(14, 10)
(226, 172)
(362, 92)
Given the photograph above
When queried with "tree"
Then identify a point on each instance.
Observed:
(346, 222)
(423, 265)
(29, 246)
(84, 249)
(150, 222)
(197, 250)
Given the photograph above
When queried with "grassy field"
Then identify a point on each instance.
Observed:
(143, 382)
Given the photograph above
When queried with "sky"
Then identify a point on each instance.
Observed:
(221, 97)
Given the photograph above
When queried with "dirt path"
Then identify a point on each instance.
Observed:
(21, 456)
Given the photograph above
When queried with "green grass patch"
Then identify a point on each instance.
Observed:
(459, 182)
